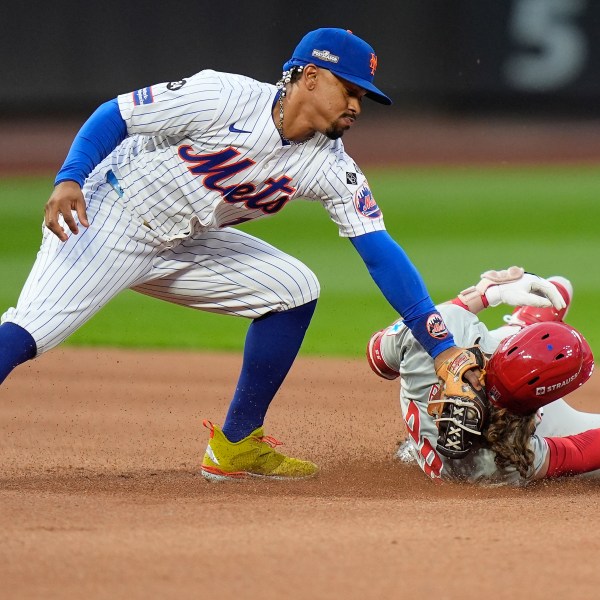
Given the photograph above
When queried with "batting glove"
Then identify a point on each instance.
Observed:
(514, 287)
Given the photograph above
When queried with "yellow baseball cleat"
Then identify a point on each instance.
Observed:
(254, 456)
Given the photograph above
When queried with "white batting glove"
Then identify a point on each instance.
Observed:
(514, 287)
(530, 290)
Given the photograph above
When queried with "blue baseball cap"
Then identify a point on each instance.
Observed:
(342, 53)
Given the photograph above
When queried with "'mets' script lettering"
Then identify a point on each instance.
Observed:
(219, 166)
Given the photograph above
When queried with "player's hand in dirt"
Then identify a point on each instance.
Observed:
(65, 199)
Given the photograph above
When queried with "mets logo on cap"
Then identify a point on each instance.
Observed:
(365, 203)
(373, 63)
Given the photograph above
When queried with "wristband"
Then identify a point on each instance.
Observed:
(431, 332)
(476, 297)
(473, 299)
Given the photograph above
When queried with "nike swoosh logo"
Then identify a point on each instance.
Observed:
(234, 129)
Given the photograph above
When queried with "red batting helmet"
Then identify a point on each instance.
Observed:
(541, 363)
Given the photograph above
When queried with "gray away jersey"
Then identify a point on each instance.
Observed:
(419, 383)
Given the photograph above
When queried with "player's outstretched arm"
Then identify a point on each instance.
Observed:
(404, 289)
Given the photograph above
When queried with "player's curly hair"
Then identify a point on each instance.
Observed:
(508, 435)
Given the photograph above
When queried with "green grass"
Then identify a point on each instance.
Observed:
(454, 223)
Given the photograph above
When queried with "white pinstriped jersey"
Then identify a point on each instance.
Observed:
(204, 153)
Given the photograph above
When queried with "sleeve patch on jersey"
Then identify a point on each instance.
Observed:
(365, 203)
(176, 85)
(436, 327)
(394, 328)
(351, 178)
(143, 96)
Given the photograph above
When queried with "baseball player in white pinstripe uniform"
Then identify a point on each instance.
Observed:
(148, 198)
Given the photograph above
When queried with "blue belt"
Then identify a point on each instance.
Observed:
(114, 182)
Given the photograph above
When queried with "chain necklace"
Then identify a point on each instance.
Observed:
(280, 126)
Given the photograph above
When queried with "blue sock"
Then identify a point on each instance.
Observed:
(272, 344)
(16, 346)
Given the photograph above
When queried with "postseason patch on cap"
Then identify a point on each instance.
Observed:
(143, 96)
(365, 203)
(325, 55)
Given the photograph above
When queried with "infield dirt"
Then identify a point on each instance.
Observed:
(100, 495)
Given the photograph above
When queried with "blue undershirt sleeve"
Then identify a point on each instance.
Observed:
(404, 288)
(96, 139)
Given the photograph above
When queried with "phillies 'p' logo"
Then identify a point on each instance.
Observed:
(373, 63)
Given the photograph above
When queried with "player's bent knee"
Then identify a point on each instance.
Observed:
(300, 287)
(310, 292)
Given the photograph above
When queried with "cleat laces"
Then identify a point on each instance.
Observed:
(269, 440)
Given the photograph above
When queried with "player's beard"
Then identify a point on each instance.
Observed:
(335, 130)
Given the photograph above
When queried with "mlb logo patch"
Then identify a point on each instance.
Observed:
(143, 96)
(395, 328)
(365, 203)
